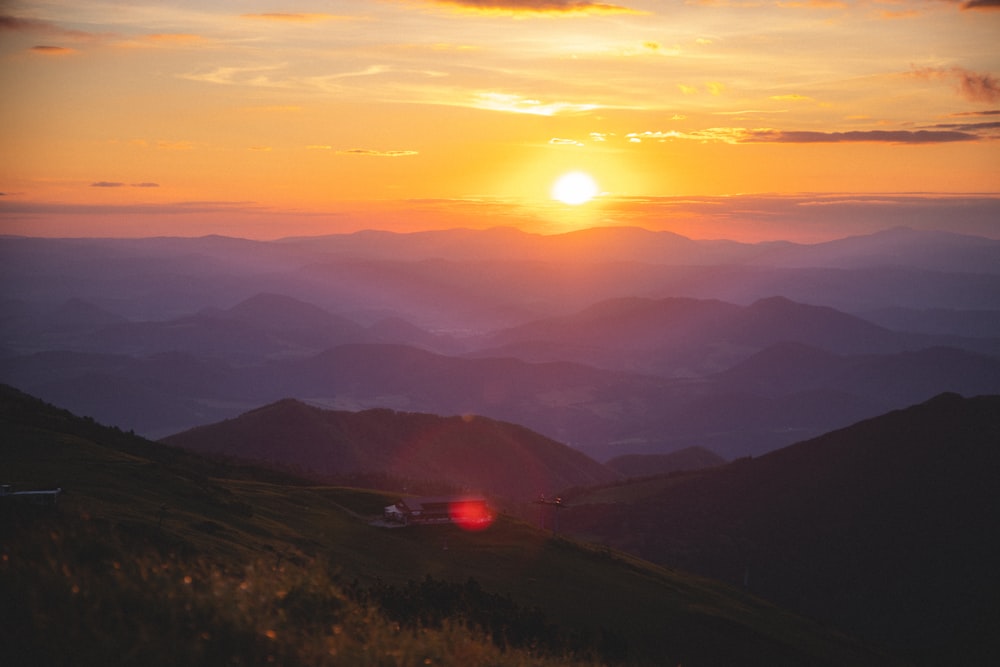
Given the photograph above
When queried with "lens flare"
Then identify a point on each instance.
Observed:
(472, 515)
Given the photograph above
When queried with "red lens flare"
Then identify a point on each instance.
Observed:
(471, 515)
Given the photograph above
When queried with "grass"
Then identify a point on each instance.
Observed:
(167, 558)
(79, 593)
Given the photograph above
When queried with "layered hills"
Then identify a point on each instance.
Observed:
(615, 341)
(885, 528)
(157, 556)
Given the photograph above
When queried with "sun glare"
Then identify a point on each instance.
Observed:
(574, 188)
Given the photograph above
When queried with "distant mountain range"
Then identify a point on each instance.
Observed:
(885, 528)
(614, 341)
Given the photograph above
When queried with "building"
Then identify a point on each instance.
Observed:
(429, 510)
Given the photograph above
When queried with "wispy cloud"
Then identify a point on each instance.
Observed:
(246, 76)
(283, 17)
(19, 24)
(792, 97)
(528, 7)
(973, 86)
(978, 87)
(517, 104)
(876, 136)
(47, 50)
(970, 127)
(741, 135)
(119, 184)
(981, 4)
(366, 152)
(990, 112)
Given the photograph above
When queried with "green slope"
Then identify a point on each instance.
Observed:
(133, 510)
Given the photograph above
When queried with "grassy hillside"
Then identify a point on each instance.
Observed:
(886, 528)
(155, 556)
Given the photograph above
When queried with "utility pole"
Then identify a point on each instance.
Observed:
(556, 504)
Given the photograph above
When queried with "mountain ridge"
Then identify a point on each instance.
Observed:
(467, 452)
(883, 527)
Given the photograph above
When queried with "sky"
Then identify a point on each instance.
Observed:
(750, 119)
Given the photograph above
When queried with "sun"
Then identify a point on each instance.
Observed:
(574, 188)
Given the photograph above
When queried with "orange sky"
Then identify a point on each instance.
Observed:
(266, 119)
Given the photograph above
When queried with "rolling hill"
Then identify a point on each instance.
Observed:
(157, 556)
(468, 453)
(885, 528)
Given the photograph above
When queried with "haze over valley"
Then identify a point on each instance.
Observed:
(613, 341)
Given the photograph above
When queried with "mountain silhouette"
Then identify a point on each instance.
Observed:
(471, 453)
(886, 528)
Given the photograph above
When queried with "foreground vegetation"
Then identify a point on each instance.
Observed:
(155, 556)
(79, 593)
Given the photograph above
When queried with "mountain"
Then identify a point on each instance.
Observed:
(938, 321)
(902, 378)
(649, 323)
(885, 528)
(933, 250)
(645, 465)
(472, 453)
(257, 328)
(157, 556)
(478, 280)
(683, 336)
(783, 394)
(32, 326)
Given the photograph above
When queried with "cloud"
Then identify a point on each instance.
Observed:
(978, 87)
(792, 97)
(528, 7)
(990, 112)
(518, 104)
(814, 4)
(639, 137)
(742, 135)
(556, 141)
(166, 39)
(247, 76)
(973, 86)
(872, 136)
(119, 184)
(374, 153)
(52, 50)
(292, 17)
(970, 127)
(18, 24)
(981, 4)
